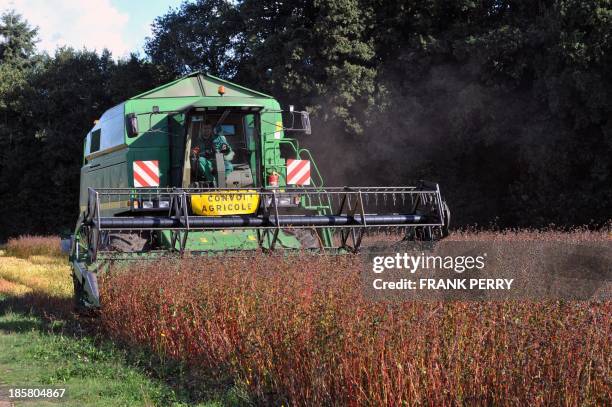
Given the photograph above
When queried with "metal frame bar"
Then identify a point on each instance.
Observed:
(351, 211)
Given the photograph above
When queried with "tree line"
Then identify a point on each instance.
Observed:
(507, 104)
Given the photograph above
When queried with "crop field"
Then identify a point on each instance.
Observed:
(297, 330)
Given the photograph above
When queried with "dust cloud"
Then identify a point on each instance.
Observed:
(449, 128)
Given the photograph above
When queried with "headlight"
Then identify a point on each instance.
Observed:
(151, 204)
(284, 201)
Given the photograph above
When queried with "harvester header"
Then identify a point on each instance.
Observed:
(202, 165)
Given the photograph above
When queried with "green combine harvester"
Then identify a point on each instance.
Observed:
(201, 165)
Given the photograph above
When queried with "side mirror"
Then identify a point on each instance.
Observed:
(132, 125)
(306, 123)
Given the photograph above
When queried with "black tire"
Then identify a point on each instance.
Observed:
(424, 234)
(447, 218)
(126, 242)
(79, 294)
(308, 238)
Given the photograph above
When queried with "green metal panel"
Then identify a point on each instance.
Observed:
(186, 84)
(186, 87)
(217, 240)
(176, 150)
(227, 240)
(211, 86)
(106, 171)
(199, 84)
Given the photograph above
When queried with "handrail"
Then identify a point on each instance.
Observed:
(298, 151)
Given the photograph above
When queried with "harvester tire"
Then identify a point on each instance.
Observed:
(419, 234)
(308, 238)
(79, 294)
(447, 217)
(126, 242)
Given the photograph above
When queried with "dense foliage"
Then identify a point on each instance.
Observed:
(506, 103)
(47, 104)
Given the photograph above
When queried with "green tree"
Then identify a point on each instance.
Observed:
(17, 47)
(317, 53)
(507, 103)
(17, 62)
(39, 177)
(196, 36)
(17, 38)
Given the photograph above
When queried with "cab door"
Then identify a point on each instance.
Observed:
(251, 133)
(177, 134)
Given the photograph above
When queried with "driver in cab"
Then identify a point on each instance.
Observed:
(211, 146)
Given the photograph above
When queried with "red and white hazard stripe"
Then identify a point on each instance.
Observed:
(298, 172)
(146, 174)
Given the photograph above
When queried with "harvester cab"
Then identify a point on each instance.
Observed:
(223, 150)
(202, 165)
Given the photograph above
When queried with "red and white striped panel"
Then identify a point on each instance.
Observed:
(298, 172)
(146, 174)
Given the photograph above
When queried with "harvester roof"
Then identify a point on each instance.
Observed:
(199, 84)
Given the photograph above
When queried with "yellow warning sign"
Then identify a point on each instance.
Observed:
(239, 202)
(277, 130)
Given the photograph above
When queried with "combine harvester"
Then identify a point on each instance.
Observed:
(201, 165)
